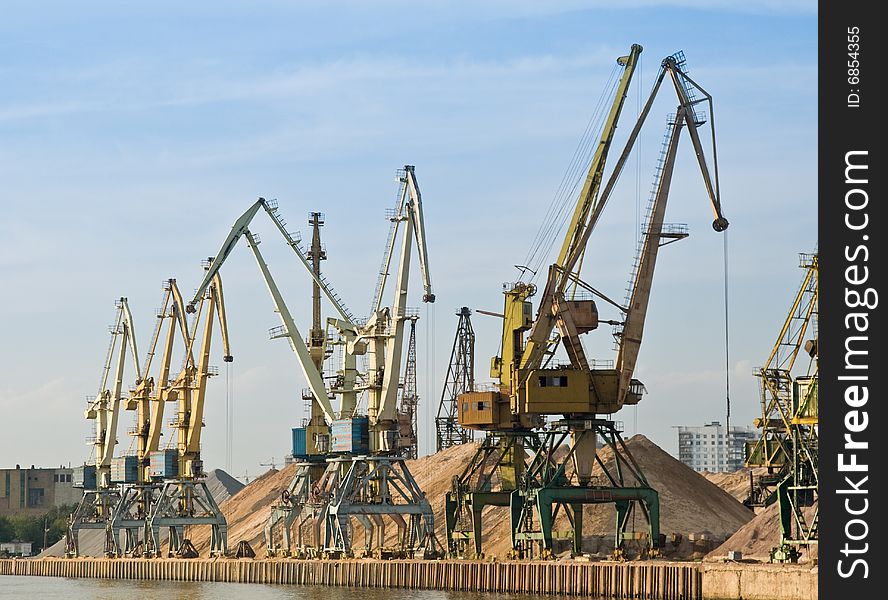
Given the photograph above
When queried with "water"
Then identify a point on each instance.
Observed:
(58, 588)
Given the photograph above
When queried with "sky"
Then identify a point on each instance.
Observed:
(132, 136)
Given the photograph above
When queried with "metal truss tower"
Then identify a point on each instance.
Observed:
(460, 379)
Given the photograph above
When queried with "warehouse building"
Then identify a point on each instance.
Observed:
(34, 491)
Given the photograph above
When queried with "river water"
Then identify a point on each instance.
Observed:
(58, 588)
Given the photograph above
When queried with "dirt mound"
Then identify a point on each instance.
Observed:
(759, 536)
(90, 541)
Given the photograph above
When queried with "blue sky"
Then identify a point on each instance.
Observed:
(131, 137)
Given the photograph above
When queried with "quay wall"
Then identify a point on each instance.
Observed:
(647, 581)
(652, 580)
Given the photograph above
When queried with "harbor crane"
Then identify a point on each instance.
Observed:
(148, 398)
(788, 445)
(537, 407)
(101, 493)
(356, 471)
(306, 358)
(185, 499)
(164, 487)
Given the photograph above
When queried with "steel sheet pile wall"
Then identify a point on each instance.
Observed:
(650, 581)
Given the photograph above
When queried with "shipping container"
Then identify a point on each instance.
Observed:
(84, 477)
(164, 464)
(351, 435)
(299, 446)
(125, 469)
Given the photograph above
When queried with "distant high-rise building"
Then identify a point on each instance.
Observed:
(710, 448)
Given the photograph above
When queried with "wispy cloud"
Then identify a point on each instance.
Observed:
(109, 87)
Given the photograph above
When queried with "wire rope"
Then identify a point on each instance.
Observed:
(727, 350)
(556, 213)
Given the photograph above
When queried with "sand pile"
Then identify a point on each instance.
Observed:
(689, 504)
(92, 541)
(222, 485)
(735, 483)
(759, 536)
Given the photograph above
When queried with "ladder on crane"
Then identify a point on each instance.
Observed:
(294, 240)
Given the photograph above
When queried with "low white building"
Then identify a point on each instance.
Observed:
(16, 548)
(711, 448)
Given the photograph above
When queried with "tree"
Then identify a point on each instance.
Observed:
(26, 528)
(7, 531)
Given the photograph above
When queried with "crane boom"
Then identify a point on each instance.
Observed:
(386, 345)
(686, 117)
(291, 332)
(580, 226)
(633, 326)
(131, 334)
(420, 232)
(162, 390)
(410, 204)
(528, 390)
(571, 248)
(105, 409)
(192, 383)
(239, 228)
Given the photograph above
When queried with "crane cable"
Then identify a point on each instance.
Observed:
(229, 421)
(431, 428)
(556, 213)
(727, 353)
(638, 104)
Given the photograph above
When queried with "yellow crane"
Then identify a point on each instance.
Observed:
(138, 495)
(101, 494)
(789, 442)
(105, 409)
(190, 386)
(168, 489)
(154, 392)
(524, 396)
(185, 500)
(537, 407)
